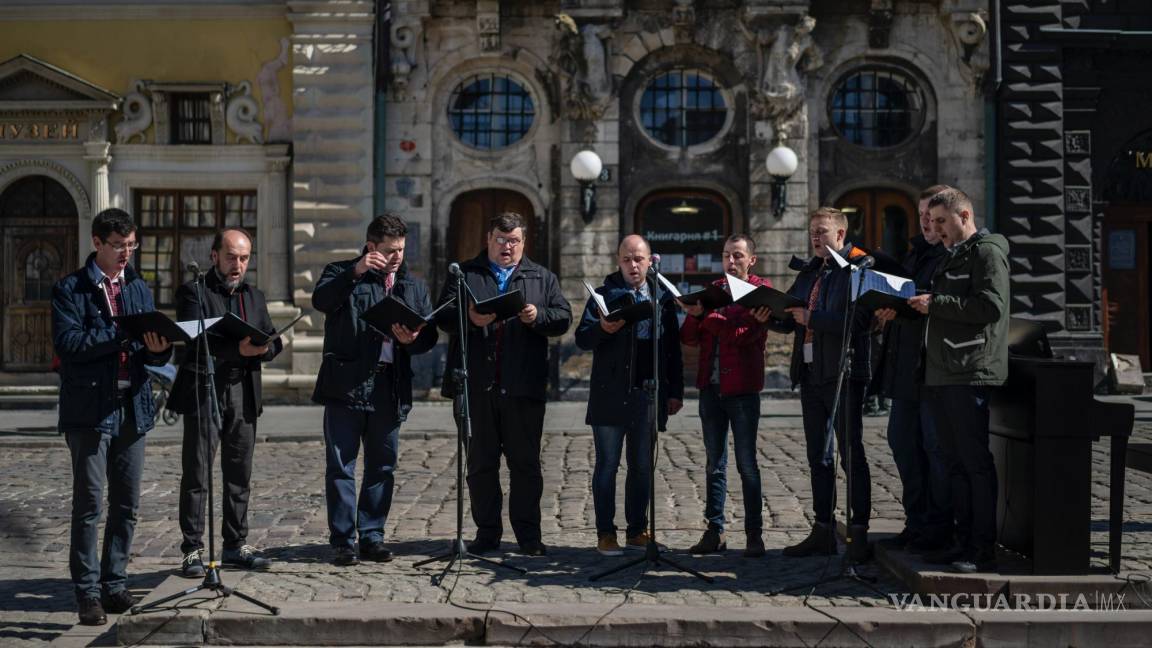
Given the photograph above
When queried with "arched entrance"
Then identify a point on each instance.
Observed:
(38, 221)
(468, 222)
(687, 228)
(880, 219)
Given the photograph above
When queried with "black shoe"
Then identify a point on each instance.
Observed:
(345, 557)
(375, 552)
(944, 556)
(821, 541)
(91, 612)
(481, 546)
(533, 548)
(192, 566)
(754, 546)
(900, 541)
(119, 602)
(976, 561)
(245, 558)
(711, 542)
(859, 551)
(930, 543)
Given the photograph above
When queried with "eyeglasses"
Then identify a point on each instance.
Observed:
(120, 247)
(504, 240)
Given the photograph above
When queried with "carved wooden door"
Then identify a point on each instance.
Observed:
(880, 219)
(468, 223)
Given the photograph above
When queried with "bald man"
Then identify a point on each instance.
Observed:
(617, 401)
(238, 393)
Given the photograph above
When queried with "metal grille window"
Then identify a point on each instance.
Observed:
(489, 111)
(683, 108)
(877, 108)
(191, 118)
(177, 227)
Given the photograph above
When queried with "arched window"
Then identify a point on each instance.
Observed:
(877, 107)
(683, 108)
(490, 111)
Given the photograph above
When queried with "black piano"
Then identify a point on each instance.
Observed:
(1043, 423)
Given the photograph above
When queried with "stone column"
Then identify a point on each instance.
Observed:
(99, 158)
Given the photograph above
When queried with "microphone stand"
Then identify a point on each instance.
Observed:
(652, 557)
(847, 569)
(457, 550)
(212, 579)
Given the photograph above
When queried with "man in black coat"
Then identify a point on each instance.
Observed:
(618, 403)
(507, 381)
(916, 450)
(106, 409)
(365, 386)
(237, 365)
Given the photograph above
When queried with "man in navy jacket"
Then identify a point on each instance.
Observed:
(106, 408)
(365, 386)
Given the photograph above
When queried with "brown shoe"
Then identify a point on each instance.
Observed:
(820, 542)
(638, 541)
(608, 546)
(711, 542)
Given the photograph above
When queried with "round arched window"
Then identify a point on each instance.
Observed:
(877, 107)
(683, 108)
(490, 111)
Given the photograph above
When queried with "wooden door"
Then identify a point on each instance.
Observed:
(880, 219)
(38, 239)
(468, 223)
(1126, 315)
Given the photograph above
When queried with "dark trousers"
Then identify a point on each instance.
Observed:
(345, 430)
(609, 441)
(119, 460)
(510, 427)
(924, 472)
(816, 405)
(961, 413)
(236, 439)
(742, 413)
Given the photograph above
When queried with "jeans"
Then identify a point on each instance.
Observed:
(119, 460)
(924, 471)
(962, 413)
(237, 440)
(742, 413)
(344, 431)
(609, 440)
(816, 403)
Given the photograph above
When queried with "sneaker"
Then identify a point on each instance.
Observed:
(821, 541)
(91, 612)
(754, 546)
(345, 557)
(375, 552)
(607, 545)
(481, 546)
(192, 566)
(711, 542)
(118, 602)
(245, 558)
(638, 541)
(533, 548)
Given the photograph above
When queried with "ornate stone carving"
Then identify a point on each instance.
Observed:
(405, 34)
(13, 171)
(879, 24)
(216, 114)
(581, 55)
(137, 114)
(970, 29)
(163, 134)
(488, 25)
(683, 20)
(241, 114)
(275, 112)
(782, 56)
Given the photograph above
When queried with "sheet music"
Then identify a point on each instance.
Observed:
(598, 298)
(668, 285)
(192, 327)
(885, 283)
(839, 259)
(738, 287)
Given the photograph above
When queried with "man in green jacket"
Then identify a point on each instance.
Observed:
(966, 346)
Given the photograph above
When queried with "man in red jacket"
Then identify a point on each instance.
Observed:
(730, 376)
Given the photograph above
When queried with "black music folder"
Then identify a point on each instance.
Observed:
(503, 306)
(137, 324)
(232, 328)
(874, 300)
(391, 310)
(710, 297)
(625, 307)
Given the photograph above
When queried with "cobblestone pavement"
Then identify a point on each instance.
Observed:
(287, 520)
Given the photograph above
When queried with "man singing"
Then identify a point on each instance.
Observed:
(967, 352)
(237, 366)
(618, 402)
(730, 375)
(507, 381)
(106, 408)
(365, 386)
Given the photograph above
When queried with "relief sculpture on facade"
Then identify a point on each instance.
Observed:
(581, 55)
(783, 55)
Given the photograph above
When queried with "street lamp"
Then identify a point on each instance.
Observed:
(586, 167)
(782, 163)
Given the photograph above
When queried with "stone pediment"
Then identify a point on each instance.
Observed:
(29, 84)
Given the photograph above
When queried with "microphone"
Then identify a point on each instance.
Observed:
(866, 262)
(655, 264)
(193, 267)
(454, 269)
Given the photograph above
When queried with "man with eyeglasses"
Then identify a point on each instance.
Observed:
(106, 408)
(238, 393)
(507, 382)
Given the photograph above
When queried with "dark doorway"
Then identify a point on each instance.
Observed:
(687, 228)
(1126, 247)
(468, 223)
(880, 219)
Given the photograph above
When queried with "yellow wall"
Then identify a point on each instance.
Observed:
(110, 53)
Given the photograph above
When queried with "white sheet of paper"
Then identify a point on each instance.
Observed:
(738, 287)
(192, 327)
(598, 298)
(668, 285)
(884, 282)
(839, 259)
